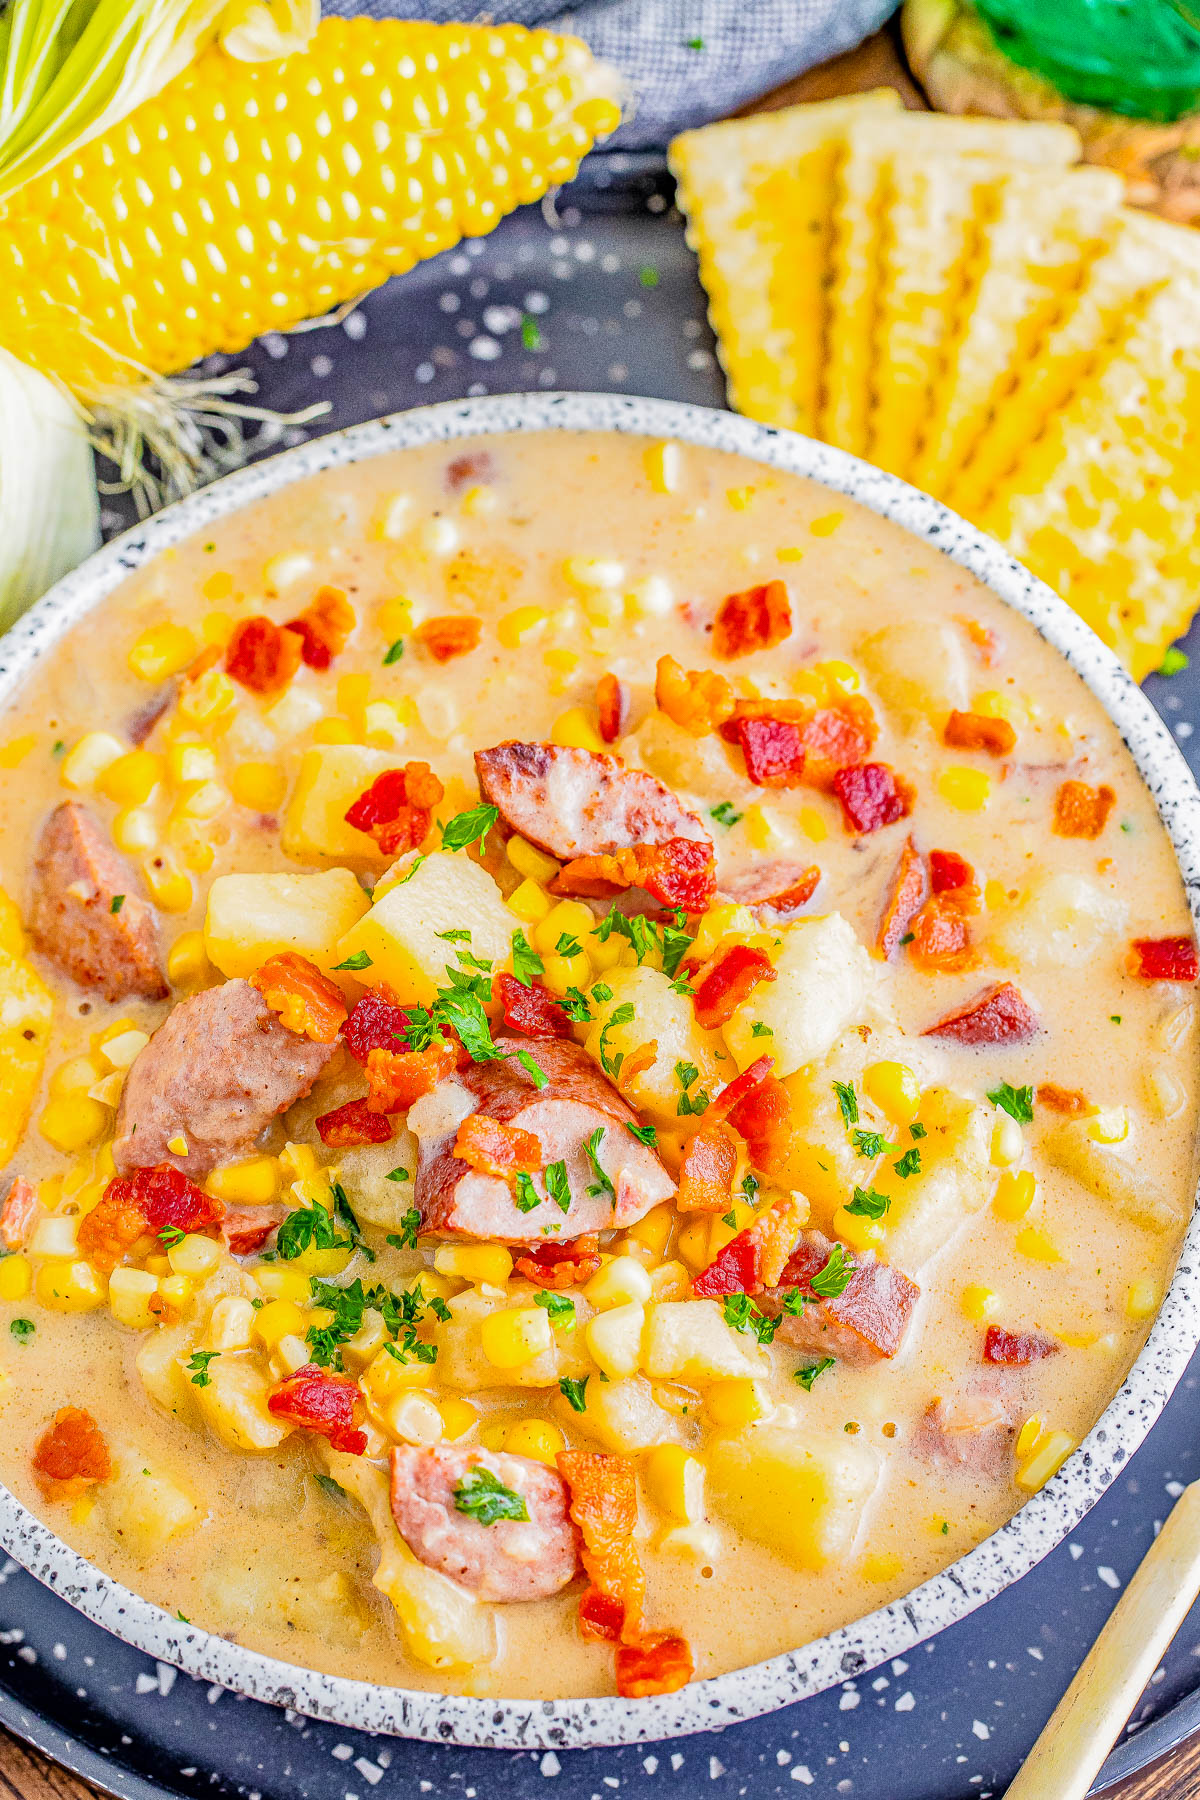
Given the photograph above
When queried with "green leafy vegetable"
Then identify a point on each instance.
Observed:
(116, 903)
(534, 1071)
(602, 1184)
(22, 1329)
(197, 1365)
(620, 1015)
(393, 653)
(469, 827)
(574, 1392)
(531, 337)
(847, 1101)
(526, 1196)
(808, 1375)
(397, 1175)
(643, 1133)
(560, 1307)
(871, 1143)
(909, 1164)
(1174, 661)
(410, 1224)
(689, 1104)
(916, 1130)
(309, 1227)
(1016, 1102)
(557, 1185)
(724, 814)
(567, 945)
(483, 1496)
(835, 1277)
(360, 960)
(526, 961)
(867, 1204)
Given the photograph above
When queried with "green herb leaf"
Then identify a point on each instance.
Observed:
(360, 960)
(484, 1497)
(808, 1375)
(560, 1307)
(468, 827)
(601, 993)
(526, 1196)
(847, 1101)
(567, 945)
(620, 1015)
(794, 1302)
(397, 1175)
(750, 1186)
(525, 959)
(574, 1004)
(743, 1315)
(344, 1214)
(531, 337)
(309, 1227)
(867, 1204)
(909, 1164)
(730, 1218)
(198, 1366)
(22, 1329)
(643, 1133)
(534, 1070)
(394, 653)
(116, 903)
(871, 1143)
(557, 1185)
(574, 1392)
(688, 1104)
(1174, 661)
(916, 1130)
(758, 1029)
(724, 814)
(835, 1277)
(648, 276)
(333, 1488)
(171, 1234)
(602, 1183)
(410, 1224)
(1016, 1102)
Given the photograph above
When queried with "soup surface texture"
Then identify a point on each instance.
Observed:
(599, 1069)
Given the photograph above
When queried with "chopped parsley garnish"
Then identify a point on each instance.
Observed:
(397, 1175)
(808, 1375)
(601, 993)
(574, 1392)
(58, 747)
(534, 1070)
(909, 1164)
(1016, 1102)
(360, 960)
(116, 903)
(531, 337)
(742, 1314)
(344, 1214)
(559, 1307)
(847, 1101)
(758, 1029)
(401, 1314)
(526, 1196)
(689, 1104)
(693, 43)
(460, 935)
(469, 827)
(730, 1218)
(648, 275)
(333, 1488)
(574, 1004)
(1114, 1018)
(1174, 661)
(602, 1184)
(871, 1143)
(410, 1223)
(393, 653)
(567, 945)
(611, 1062)
(483, 1496)
(835, 1277)
(309, 1228)
(643, 1133)
(867, 1204)
(724, 814)
(525, 959)
(198, 1366)
(668, 941)
(171, 1234)
(463, 1012)
(750, 1186)
(557, 1185)
(908, 937)
(916, 1130)
(794, 1302)
(22, 1330)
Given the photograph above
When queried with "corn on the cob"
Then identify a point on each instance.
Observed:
(248, 197)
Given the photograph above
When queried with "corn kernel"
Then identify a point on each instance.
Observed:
(674, 1480)
(562, 972)
(1036, 1245)
(458, 1416)
(123, 1047)
(187, 963)
(490, 1264)
(789, 553)
(194, 1255)
(479, 502)
(563, 662)
(414, 1418)
(290, 1353)
(250, 1183)
(515, 1336)
(284, 570)
(1141, 1298)
(1008, 1143)
(737, 1402)
(603, 956)
(298, 1162)
(258, 785)
(858, 1231)
(74, 1076)
(519, 624)
(278, 1319)
(979, 1303)
(86, 761)
(995, 894)
(73, 1124)
(692, 1242)
(219, 585)
(881, 1565)
(170, 888)
(1049, 1454)
(621, 1281)
(827, 524)
(537, 1438)
(158, 1264)
(671, 1281)
(762, 828)
(663, 464)
(654, 1230)
(131, 779)
(492, 1435)
(720, 922)
(178, 1145)
(14, 752)
(135, 831)
(16, 1277)
(813, 824)
(739, 498)
(894, 1089)
(967, 789)
(188, 762)
(571, 917)
(69, 1287)
(386, 1376)
(208, 698)
(216, 628)
(1111, 1126)
(589, 573)
(200, 800)
(441, 537)
(533, 863)
(575, 730)
(1028, 1436)
(1015, 1194)
(130, 1292)
(529, 902)
(323, 1263)
(614, 1339)
(841, 675)
(328, 731)
(278, 1283)
(232, 1323)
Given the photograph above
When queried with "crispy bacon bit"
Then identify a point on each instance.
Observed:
(375, 1023)
(948, 871)
(1081, 811)
(446, 638)
(1063, 1100)
(1165, 959)
(764, 1119)
(600, 1617)
(317, 1401)
(869, 1318)
(612, 704)
(603, 1505)
(838, 737)
(697, 700)
(873, 795)
(757, 1257)
(941, 937)
(661, 1663)
(353, 1123)
(308, 1003)
(734, 1270)
(16, 1214)
(773, 748)
(323, 627)
(731, 1097)
(466, 471)
(906, 895)
(560, 1265)
(680, 872)
(533, 1011)
(978, 731)
(398, 1077)
(1017, 1347)
(636, 1063)
(144, 1204)
(248, 1229)
(707, 1170)
(999, 1016)
(725, 980)
(495, 1148)
(395, 810)
(71, 1454)
(262, 656)
(756, 619)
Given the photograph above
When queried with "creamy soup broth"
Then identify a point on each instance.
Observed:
(770, 1509)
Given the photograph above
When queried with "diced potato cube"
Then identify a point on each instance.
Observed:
(928, 1209)
(329, 1604)
(918, 667)
(444, 892)
(801, 1494)
(364, 1173)
(623, 1416)
(614, 1339)
(234, 1404)
(663, 1017)
(688, 764)
(463, 1365)
(331, 778)
(145, 1511)
(1063, 922)
(689, 1341)
(1111, 1176)
(823, 977)
(26, 1009)
(159, 1362)
(253, 917)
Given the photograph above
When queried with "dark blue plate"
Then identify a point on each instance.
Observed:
(603, 295)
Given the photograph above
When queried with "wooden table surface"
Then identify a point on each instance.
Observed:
(24, 1774)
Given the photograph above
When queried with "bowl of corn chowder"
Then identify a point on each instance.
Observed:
(600, 1073)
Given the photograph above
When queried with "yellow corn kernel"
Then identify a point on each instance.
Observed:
(158, 1264)
(492, 1435)
(231, 1326)
(16, 1277)
(1036, 1245)
(353, 693)
(187, 964)
(69, 1287)
(663, 464)
(324, 1263)
(723, 1230)
(519, 624)
(489, 1264)
(674, 1481)
(87, 760)
(827, 524)
(614, 1340)
(813, 824)
(1028, 1436)
(170, 889)
(979, 1303)
(840, 675)
(654, 1230)
(194, 1255)
(74, 1076)
(563, 662)
(14, 752)
(135, 831)
(606, 955)
(590, 573)
(537, 1438)
(386, 1376)
(692, 1242)
(737, 1402)
(278, 1283)
(571, 917)
(762, 828)
(201, 800)
(807, 684)
(217, 628)
(788, 553)
(1015, 1194)
(458, 1416)
(528, 860)
(881, 1565)
(894, 1089)
(739, 498)
(1049, 1454)
(1008, 1143)
(858, 1231)
(191, 762)
(219, 585)
(479, 502)
(967, 789)
(332, 731)
(529, 902)
(278, 1319)
(575, 730)
(178, 1145)
(130, 1292)
(393, 618)
(1141, 1298)
(414, 1418)
(250, 1183)
(131, 779)
(621, 1281)
(208, 698)
(563, 972)
(176, 1290)
(1111, 1126)
(258, 785)
(72, 1124)
(298, 1162)
(511, 1338)
(671, 1281)
(120, 1048)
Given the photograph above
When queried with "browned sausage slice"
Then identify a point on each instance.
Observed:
(579, 803)
(577, 1101)
(973, 1433)
(511, 1559)
(217, 1070)
(866, 1322)
(78, 878)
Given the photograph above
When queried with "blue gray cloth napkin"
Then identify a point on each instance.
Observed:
(687, 61)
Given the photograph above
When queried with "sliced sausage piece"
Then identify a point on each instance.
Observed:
(511, 1559)
(247, 1228)
(17, 1214)
(576, 1102)
(782, 886)
(1001, 1015)
(971, 1432)
(78, 878)
(217, 1070)
(578, 802)
(863, 1324)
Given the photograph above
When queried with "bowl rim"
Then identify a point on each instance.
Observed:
(1044, 1519)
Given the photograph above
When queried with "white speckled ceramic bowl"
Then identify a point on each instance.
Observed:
(1043, 1520)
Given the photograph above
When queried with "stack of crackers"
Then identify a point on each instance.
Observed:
(960, 302)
